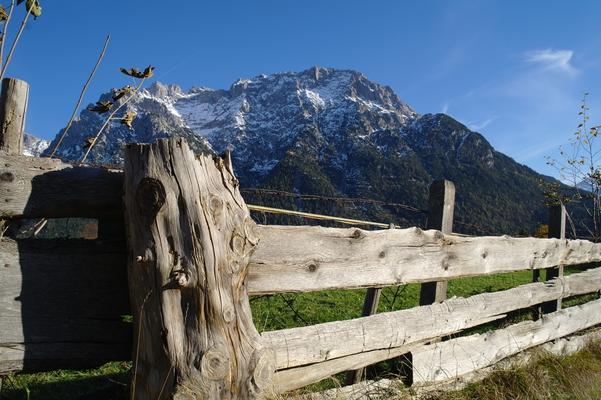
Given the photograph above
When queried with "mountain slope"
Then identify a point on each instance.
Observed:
(332, 133)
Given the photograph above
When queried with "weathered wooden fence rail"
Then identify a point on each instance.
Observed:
(193, 257)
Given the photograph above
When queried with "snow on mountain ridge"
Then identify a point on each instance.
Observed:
(258, 118)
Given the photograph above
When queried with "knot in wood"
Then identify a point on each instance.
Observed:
(181, 278)
(150, 196)
(357, 234)
(214, 364)
(264, 369)
(7, 177)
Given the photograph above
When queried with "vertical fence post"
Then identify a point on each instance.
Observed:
(440, 216)
(190, 237)
(13, 110)
(557, 230)
(370, 307)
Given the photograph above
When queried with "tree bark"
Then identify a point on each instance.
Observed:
(13, 110)
(190, 237)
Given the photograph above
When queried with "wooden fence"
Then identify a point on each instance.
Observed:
(193, 255)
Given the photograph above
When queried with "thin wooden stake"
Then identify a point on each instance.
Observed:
(83, 92)
(440, 216)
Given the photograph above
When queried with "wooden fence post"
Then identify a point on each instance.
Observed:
(190, 237)
(13, 110)
(557, 229)
(441, 205)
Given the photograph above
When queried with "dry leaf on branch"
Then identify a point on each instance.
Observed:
(3, 13)
(118, 93)
(136, 73)
(34, 6)
(101, 107)
(128, 119)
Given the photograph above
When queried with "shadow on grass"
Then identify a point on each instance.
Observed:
(110, 381)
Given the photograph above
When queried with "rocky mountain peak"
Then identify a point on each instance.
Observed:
(324, 131)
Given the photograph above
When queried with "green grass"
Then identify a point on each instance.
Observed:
(107, 382)
(269, 313)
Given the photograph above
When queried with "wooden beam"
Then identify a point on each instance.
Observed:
(190, 237)
(295, 378)
(13, 112)
(456, 357)
(297, 259)
(441, 206)
(56, 296)
(32, 187)
(314, 344)
(304, 258)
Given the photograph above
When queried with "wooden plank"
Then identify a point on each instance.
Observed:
(13, 112)
(190, 236)
(314, 344)
(392, 388)
(303, 258)
(35, 187)
(441, 206)
(296, 259)
(456, 357)
(61, 292)
(295, 378)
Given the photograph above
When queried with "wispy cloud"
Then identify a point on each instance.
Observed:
(549, 59)
(481, 125)
(445, 108)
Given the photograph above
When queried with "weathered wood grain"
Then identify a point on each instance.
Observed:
(392, 388)
(298, 259)
(456, 357)
(295, 378)
(35, 187)
(13, 111)
(190, 237)
(56, 292)
(313, 344)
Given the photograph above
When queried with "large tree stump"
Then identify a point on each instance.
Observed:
(190, 237)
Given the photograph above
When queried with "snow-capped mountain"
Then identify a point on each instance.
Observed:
(328, 132)
(33, 146)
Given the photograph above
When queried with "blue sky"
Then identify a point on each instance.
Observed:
(513, 70)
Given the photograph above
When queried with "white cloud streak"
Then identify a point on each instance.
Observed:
(549, 59)
(481, 125)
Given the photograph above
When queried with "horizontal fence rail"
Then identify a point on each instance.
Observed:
(364, 341)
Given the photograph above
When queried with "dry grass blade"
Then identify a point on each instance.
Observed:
(81, 95)
(14, 44)
(108, 121)
(3, 35)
